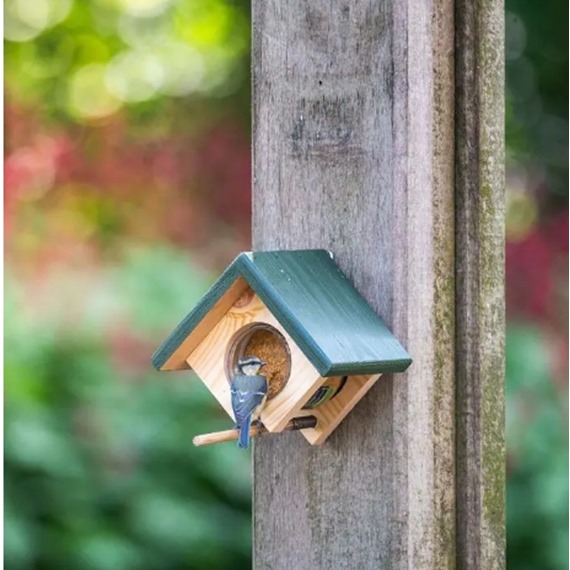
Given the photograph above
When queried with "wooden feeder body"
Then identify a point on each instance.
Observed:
(209, 361)
(205, 339)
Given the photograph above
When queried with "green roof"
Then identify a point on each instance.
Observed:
(315, 303)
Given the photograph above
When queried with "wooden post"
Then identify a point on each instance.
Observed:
(479, 284)
(378, 135)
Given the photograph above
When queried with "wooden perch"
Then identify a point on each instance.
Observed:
(255, 430)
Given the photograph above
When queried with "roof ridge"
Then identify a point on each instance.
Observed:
(279, 308)
(313, 300)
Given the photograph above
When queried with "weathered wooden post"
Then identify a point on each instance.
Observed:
(378, 134)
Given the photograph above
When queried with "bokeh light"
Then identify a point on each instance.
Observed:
(123, 52)
(144, 8)
(183, 68)
(134, 75)
(24, 20)
(88, 94)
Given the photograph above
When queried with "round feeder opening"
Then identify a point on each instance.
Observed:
(267, 343)
(330, 389)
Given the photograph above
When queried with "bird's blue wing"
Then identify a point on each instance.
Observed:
(247, 393)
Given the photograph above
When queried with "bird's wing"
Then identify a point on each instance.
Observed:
(247, 394)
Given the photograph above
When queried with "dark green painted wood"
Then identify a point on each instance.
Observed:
(316, 304)
(181, 332)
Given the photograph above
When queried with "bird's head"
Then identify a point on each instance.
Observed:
(250, 365)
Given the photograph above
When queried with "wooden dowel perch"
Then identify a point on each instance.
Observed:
(255, 430)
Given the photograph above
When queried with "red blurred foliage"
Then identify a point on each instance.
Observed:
(533, 270)
(537, 288)
(100, 182)
(227, 175)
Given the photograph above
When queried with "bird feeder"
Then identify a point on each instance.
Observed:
(324, 345)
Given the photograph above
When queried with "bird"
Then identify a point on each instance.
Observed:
(249, 393)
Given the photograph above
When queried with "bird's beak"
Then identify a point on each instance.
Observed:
(263, 363)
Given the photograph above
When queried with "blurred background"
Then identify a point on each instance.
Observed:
(127, 189)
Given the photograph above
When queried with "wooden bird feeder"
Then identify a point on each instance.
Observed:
(323, 344)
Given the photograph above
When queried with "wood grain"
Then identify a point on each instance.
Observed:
(480, 286)
(353, 152)
(331, 413)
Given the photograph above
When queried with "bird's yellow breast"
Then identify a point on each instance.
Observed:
(255, 414)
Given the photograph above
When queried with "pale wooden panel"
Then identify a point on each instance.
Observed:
(178, 359)
(208, 361)
(331, 413)
(353, 152)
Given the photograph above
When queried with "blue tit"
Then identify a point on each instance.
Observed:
(249, 393)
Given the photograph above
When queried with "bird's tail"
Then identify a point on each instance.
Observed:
(243, 441)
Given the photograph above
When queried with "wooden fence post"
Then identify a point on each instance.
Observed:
(377, 129)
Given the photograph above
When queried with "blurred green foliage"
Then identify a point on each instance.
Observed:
(85, 60)
(537, 435)
(100, 470)
(536, 54)
(537, 284)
